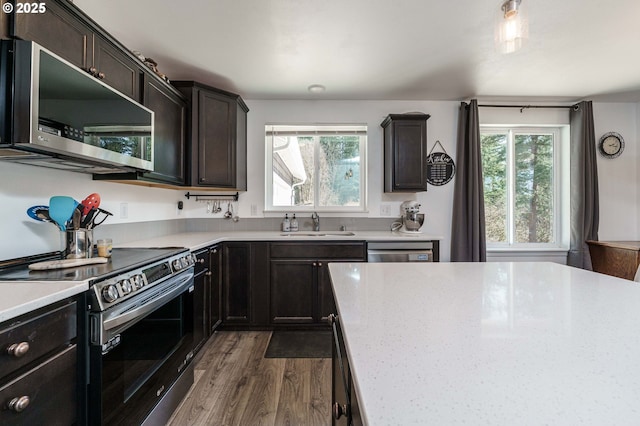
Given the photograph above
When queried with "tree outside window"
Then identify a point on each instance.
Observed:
(520, 187)
(316, 167)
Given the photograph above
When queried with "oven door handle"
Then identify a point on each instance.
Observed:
(168, 292)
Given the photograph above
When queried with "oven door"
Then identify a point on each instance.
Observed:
(148, 346)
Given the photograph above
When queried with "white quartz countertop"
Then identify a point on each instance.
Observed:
(198, 240)
(20, 297)
(490, 343)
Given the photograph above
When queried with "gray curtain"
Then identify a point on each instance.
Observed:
(585, 213)
(468, 240)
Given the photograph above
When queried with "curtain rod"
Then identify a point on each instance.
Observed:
(523, 107)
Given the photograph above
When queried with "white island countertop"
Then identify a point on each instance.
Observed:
(490, 343)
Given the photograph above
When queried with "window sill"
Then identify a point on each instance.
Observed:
(556, 255)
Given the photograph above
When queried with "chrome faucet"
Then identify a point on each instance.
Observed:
(316, 221)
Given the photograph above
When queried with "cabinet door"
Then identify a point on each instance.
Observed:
(216, 140)
(215, 289)
(237, 283)
(201, 283)
(168, 131)
(199, 296)
(340, 379)
(326, 302)
(405, 152)
(120, 72)
(293, 291)
(59, 31)
(410, 146)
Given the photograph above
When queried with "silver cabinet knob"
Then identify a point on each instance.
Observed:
(18, 349)
(208, 273)
(18, 404)
(339, 410)
(201, 261)
(331, 319)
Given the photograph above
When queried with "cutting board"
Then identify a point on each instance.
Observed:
(66, 263)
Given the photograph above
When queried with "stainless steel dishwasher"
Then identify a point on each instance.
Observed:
(402, 251)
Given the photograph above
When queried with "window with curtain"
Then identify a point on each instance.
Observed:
(315, 167)
(522, 186)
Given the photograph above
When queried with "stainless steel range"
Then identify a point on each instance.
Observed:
(141, 333)
(140, 330)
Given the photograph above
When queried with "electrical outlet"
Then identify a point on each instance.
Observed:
(124, 210)
(254, 210)
(385, 209)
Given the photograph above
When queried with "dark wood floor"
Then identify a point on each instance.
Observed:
(235, 385)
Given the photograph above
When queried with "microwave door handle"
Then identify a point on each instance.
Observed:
(184, 283)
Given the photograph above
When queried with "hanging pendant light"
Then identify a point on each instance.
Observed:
(512, 26)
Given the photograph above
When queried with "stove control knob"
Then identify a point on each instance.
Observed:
(137, 282)
(185, 262)
(126, 286)
(177, 265)
(110, 293)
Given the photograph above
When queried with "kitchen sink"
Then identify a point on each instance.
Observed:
(318, 234)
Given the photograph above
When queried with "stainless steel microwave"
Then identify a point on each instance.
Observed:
(54, 114)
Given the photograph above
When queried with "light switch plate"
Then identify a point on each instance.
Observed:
(385, 209)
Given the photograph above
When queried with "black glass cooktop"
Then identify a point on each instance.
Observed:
(121, 260)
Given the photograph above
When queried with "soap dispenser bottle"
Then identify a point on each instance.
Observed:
(294, 223)
(286, 224)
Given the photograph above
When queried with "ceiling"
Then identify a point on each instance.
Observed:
(385, 49)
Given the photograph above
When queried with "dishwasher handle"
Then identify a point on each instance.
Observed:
(376, 256)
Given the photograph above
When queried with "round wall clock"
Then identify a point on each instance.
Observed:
(611, 145)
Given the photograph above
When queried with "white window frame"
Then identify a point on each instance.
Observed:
(560, 179)
(321, 128)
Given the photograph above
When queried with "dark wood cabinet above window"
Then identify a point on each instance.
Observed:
(405, 152)
(217, 143)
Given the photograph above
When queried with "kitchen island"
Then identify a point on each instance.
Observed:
(489, 343)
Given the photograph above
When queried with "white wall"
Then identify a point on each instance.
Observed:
(23, 186)
(618, 178)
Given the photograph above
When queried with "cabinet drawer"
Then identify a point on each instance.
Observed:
(51, 392)
(317, 250)
(42, 333)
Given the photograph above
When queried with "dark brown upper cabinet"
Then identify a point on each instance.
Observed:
(65, 31)
(405, 152)
(217, 142)
(169, 132)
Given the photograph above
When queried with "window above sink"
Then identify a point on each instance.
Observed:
(315, 168)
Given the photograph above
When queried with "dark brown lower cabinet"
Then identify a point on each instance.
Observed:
(215, 288)
(40, 375)
(300, 287)
(345, 410)
(244, 293)
(200, 305)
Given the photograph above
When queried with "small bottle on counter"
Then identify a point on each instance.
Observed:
(294, 223)
(105, 246)
(286, 224)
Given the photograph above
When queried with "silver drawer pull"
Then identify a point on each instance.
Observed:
(18, 349)
(19, 404)
(340, 410)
